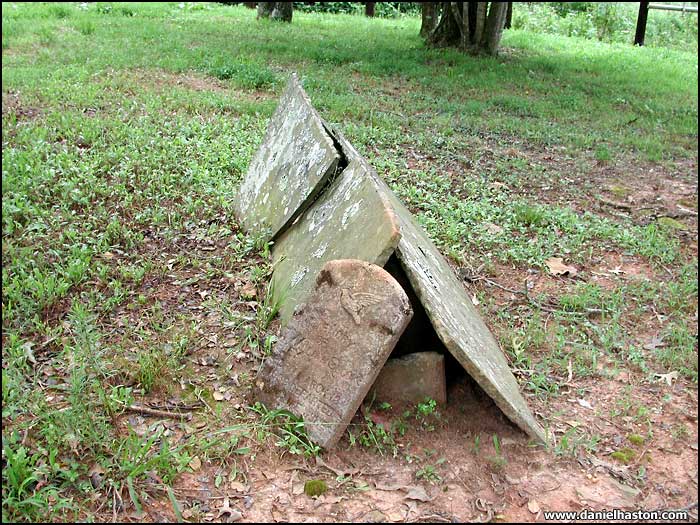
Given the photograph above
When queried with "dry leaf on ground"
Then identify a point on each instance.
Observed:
(557, 267)
(248, 292)
(417, 493)
(669, 378)
(195, 463)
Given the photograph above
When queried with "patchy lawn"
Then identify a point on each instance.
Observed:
(129, 290)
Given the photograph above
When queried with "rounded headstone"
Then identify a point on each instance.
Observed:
(332, 349)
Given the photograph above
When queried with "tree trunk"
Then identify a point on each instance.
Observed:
(369, 9)
(480, 23)
(476, 27)
(265, 9)
(275, 11)
(509, 16)
(430, 11)
(447, 31)
(282, 11)
(249, 5)
(494, 27)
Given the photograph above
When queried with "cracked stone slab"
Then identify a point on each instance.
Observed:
(291, 166)
(452, 314)
(331, 351)
(350, 219)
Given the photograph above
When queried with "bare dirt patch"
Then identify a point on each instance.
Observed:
(162, 80)
(455, 471)
(12, 105)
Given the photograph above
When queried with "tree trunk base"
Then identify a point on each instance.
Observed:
(474, 27)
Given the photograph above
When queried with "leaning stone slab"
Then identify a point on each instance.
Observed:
(412, 378)
(350, 220)
(331, 351)
(291, 166)
(451, 312)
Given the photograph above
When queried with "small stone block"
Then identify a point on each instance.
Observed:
(332, 349)
(411, 379)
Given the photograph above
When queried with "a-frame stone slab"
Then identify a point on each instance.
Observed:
(451, 312)
(332, 350)
(296, 158)
(351, 219)
(289, 192)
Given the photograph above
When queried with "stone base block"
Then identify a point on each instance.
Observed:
(412, 378)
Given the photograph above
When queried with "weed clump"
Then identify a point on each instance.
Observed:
(624, 455)
(636, 439)
(315, 487)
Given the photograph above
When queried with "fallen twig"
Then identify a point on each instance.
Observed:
(171, 406)
(683, 212)
(474, 278)
(553, 310)
(431, 518)
(641, 456)
(337, 472)
(615, 204)
(157, 413)
(536, 304)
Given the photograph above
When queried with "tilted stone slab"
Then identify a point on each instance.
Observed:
(296, 158)
(451, 312)
(350, 220)
(331, 351)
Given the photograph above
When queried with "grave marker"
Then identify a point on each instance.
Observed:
(350, 220)
(452, 313)
(319, 216)
(331, 351)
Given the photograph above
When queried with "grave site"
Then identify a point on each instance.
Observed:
(348, 262)
(328, 212)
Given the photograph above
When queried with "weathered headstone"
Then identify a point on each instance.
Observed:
(411, 379)
(331, 351)
(350, 220)
(291, 166)
(451, 312)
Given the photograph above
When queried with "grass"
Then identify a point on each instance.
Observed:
(126, 131)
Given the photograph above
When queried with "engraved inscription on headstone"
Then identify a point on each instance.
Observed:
(331, 351)
(296, 158)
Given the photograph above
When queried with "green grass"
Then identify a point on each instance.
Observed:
(126, 131)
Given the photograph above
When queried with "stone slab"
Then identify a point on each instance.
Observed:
(412, 378)
(451, 312)
(350, 220)
(291, 166)
(331, 351)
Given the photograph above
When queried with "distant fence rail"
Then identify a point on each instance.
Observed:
(644, 12)
(682, 8)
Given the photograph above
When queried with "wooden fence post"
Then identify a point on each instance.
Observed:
(641, 24)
